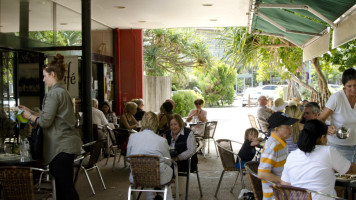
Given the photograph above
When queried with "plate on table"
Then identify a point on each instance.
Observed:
(8, 156)
(345, 177)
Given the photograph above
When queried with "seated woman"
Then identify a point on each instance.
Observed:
(313, 164)
(294, 112)
(248, 149)
(183, 141)
(164, 116)
(158, 146)
(127, 120)
(198, 114)
(109, 114)
(140, 112)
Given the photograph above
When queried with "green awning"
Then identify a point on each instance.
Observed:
(299, 21)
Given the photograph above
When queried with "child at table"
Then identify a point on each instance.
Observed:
(248, 150)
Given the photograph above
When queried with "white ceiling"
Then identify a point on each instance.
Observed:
(166, 13)
(137, 14)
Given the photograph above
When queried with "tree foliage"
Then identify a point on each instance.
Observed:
(184, 101)
(173, 50)
(218, 84)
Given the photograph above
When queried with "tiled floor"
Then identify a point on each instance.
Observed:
(210, 169)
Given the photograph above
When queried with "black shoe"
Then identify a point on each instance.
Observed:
(158, 197)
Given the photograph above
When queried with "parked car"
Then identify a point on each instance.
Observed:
(334, 88)
(252, 92)
(266, 90)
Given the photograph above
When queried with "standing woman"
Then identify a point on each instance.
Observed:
(342, 112)
(61, 141)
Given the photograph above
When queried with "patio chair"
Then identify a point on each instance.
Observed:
(256, 184)
(18, 183)
(287, 192)
(209, 133)
(227, 157)
(199, 132)
(113, 148)
(95, 150)
(121, 137)
(146, 174)
(253, 123)
(187, 173)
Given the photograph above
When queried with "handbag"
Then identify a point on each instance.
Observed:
(36, 142)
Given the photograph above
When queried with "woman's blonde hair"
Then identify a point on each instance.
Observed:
(150, 121)
(251, 131)
(130, 107)
(294, 112)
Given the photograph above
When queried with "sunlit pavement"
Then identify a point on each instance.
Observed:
(232, 122)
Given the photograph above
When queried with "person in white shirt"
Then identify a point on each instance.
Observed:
(98, 116)
(148, 142)
(313, 164)
(342, 112)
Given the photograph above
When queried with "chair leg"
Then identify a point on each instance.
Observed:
(201, 193)
(102, 180)
(91, 186)
(113, 164)
(165, 192)
(54, 193)
(217, 189)
(216, 148)
(208, 145)
(129, 194)
(235, 181)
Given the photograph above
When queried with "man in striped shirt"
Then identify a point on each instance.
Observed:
(275, 152)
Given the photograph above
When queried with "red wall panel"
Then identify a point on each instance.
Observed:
(129, 67)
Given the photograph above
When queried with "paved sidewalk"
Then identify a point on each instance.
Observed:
(117, 182)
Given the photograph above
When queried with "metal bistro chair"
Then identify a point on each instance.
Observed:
(228, 160)
(187, 173)
(256, 184)
(287, 192)
(121, 137)
(199, 132)
(95, 151)
(210, 128)
(113, 147)
(18, 183)
(146, 174)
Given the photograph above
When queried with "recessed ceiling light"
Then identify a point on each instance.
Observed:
(142, 21)
(207, 4)
(213, 20)
(120, 7)
(63, 24)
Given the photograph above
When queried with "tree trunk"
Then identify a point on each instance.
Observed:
(324, 93)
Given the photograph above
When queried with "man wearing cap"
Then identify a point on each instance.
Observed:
(263, 113)
(275, 151)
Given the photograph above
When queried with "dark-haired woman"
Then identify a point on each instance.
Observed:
(313, 164)
(198, 114)
(61, 141)
(165, 116)
(109, 114)
(341, 108)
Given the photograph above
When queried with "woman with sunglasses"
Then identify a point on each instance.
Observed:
(198, 114)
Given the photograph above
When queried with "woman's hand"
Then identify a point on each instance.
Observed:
(24, 108)
(332, 130)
